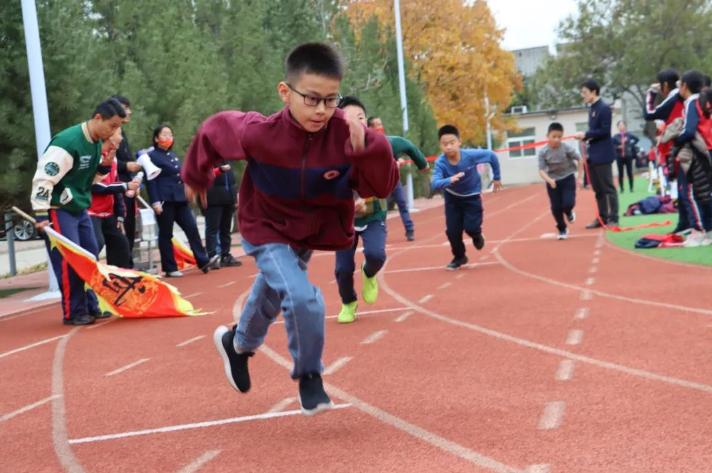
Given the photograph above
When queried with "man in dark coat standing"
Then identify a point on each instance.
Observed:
(601, 154)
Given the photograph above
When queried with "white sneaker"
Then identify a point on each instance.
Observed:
(563, 235)
(707, 240)
(694, 240)
(174, 274)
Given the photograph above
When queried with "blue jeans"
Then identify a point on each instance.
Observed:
(282, 286)
(399, 198)
(374, 249)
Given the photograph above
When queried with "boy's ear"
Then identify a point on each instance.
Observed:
(283, 91)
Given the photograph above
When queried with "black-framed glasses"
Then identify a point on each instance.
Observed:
(313, 101)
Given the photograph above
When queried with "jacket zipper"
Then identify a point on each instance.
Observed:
(304, 163)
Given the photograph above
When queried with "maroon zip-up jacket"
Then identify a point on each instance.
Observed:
(298, 186)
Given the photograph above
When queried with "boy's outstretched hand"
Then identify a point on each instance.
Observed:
(498, 186)
(457, 177)
(358, 134)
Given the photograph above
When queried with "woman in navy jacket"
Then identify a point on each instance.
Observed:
(168, 200)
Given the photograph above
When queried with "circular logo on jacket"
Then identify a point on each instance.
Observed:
(51, 169)
(333, 174)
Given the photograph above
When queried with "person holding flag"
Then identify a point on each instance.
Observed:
(61, 194)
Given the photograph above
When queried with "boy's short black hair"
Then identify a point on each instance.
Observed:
(555, 126)
(592, 85)
(448, 130)
(369, 121)
(122, 100)
(669, 77)
(110, 108)
(351, 100)
(694, 80)
(313, 58)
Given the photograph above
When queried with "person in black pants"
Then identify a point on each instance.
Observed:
(167, 196)
(219, 213)
(127, 167)
(600, 154)
(626, 145)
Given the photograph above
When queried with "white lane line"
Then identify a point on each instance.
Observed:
(60, 439)
(484, 257)
(195, 294)
(127, 367)
(29, 407)
(405, 315)
(425, 299)
(374, 337)
(227, 284)
(586, 295)
(365, 313)
(460, 276)
(101, 324)
(574, 337)
(444, 285)
(590, 281)
(706, 388)
(194, 425)
(190, 340)
(596, 260)
(437, 268)
(413, 430)
(31, 345)
(199, 462)
(283, 404)
(552, 416)
(540, 468)
(565, 371)
(337, 365)
(581, 313)
(593, 269)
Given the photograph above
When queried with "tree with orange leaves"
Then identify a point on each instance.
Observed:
(455, 51)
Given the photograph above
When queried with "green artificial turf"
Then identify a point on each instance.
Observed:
(699, 255)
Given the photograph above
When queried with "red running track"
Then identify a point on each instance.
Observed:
(542, 356)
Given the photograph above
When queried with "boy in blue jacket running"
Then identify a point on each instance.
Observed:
(456, 173)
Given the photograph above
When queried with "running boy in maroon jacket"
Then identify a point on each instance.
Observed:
(303, 164)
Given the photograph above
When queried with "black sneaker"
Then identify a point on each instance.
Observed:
(479, 241)
(312, 396)
(103, 315)
(84, 319)
(410, 236)
(229, 261)
(456, 263)
(213, 263)
(595, 224)
(235, 363)
(571, 216)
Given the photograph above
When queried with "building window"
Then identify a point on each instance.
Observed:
(524, 137)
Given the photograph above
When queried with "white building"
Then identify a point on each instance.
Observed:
(522, 166)
(528, 60)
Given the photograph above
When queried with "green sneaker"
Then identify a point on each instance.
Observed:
(370, 288)
(348, 313)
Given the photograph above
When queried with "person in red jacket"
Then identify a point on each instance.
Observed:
(107, 210)
(303, 164)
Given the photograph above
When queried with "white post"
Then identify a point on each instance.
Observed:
(403, 97)
(39, 104)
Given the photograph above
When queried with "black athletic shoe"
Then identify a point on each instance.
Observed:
(312, 396)
(213, 263)
(456, 263)
(84, 319)
(479, 241)
(571, 216)
(103, 315)
(410, 236)
(235, 363)
(594, 224)
(229, 261)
